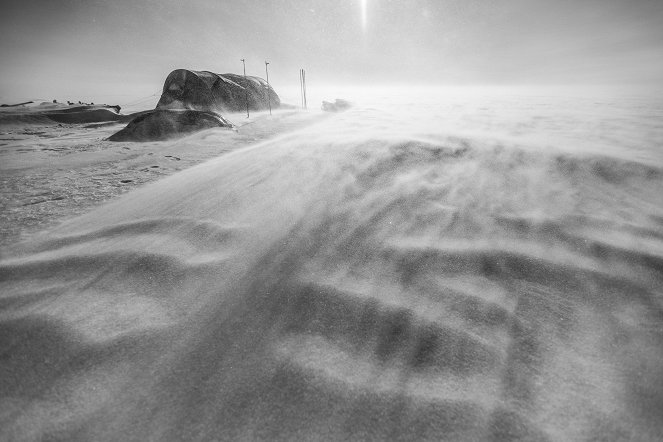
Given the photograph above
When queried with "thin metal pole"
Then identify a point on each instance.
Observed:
(269, 99)
(246, 89)
(305, 102)
(301, 86)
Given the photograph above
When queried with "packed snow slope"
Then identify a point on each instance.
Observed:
(452, 269)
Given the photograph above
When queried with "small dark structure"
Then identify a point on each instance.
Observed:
(163, 124)
(207, 91)
(337, 106)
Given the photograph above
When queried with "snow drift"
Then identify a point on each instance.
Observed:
(362, 279)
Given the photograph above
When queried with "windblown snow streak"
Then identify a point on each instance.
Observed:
(467, 274)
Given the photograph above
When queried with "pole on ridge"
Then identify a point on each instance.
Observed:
(246, 89)
(269, 99)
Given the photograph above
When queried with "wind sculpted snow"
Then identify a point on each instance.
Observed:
(451, 271)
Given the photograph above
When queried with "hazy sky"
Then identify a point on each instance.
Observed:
(114, 50)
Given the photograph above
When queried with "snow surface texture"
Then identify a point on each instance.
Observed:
(49, 171)
(457, 268)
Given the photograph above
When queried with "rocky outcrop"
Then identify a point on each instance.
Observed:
(207, 91)
(163, 124)
(192, 101)
(60, 113)
(86, 114)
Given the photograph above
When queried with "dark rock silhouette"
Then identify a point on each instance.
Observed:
(207, 91)
(17, 104)
(162, 124)
(70, 113)
(83, 115)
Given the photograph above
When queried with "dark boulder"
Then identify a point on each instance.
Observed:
(203, 90)
(163, 124)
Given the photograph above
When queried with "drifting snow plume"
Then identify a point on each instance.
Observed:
(441, 270)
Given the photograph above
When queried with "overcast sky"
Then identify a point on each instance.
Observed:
(115, 50)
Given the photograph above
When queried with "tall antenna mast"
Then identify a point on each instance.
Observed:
(246, 89)
(269, 99)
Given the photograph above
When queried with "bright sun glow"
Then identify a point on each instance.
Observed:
(363, 13)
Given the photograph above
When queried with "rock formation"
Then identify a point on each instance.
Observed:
(192, 101)
(162, 124)
(203, 90)
(47, 113)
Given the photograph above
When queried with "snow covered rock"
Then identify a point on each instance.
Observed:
(203, 90)
(162, 124)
